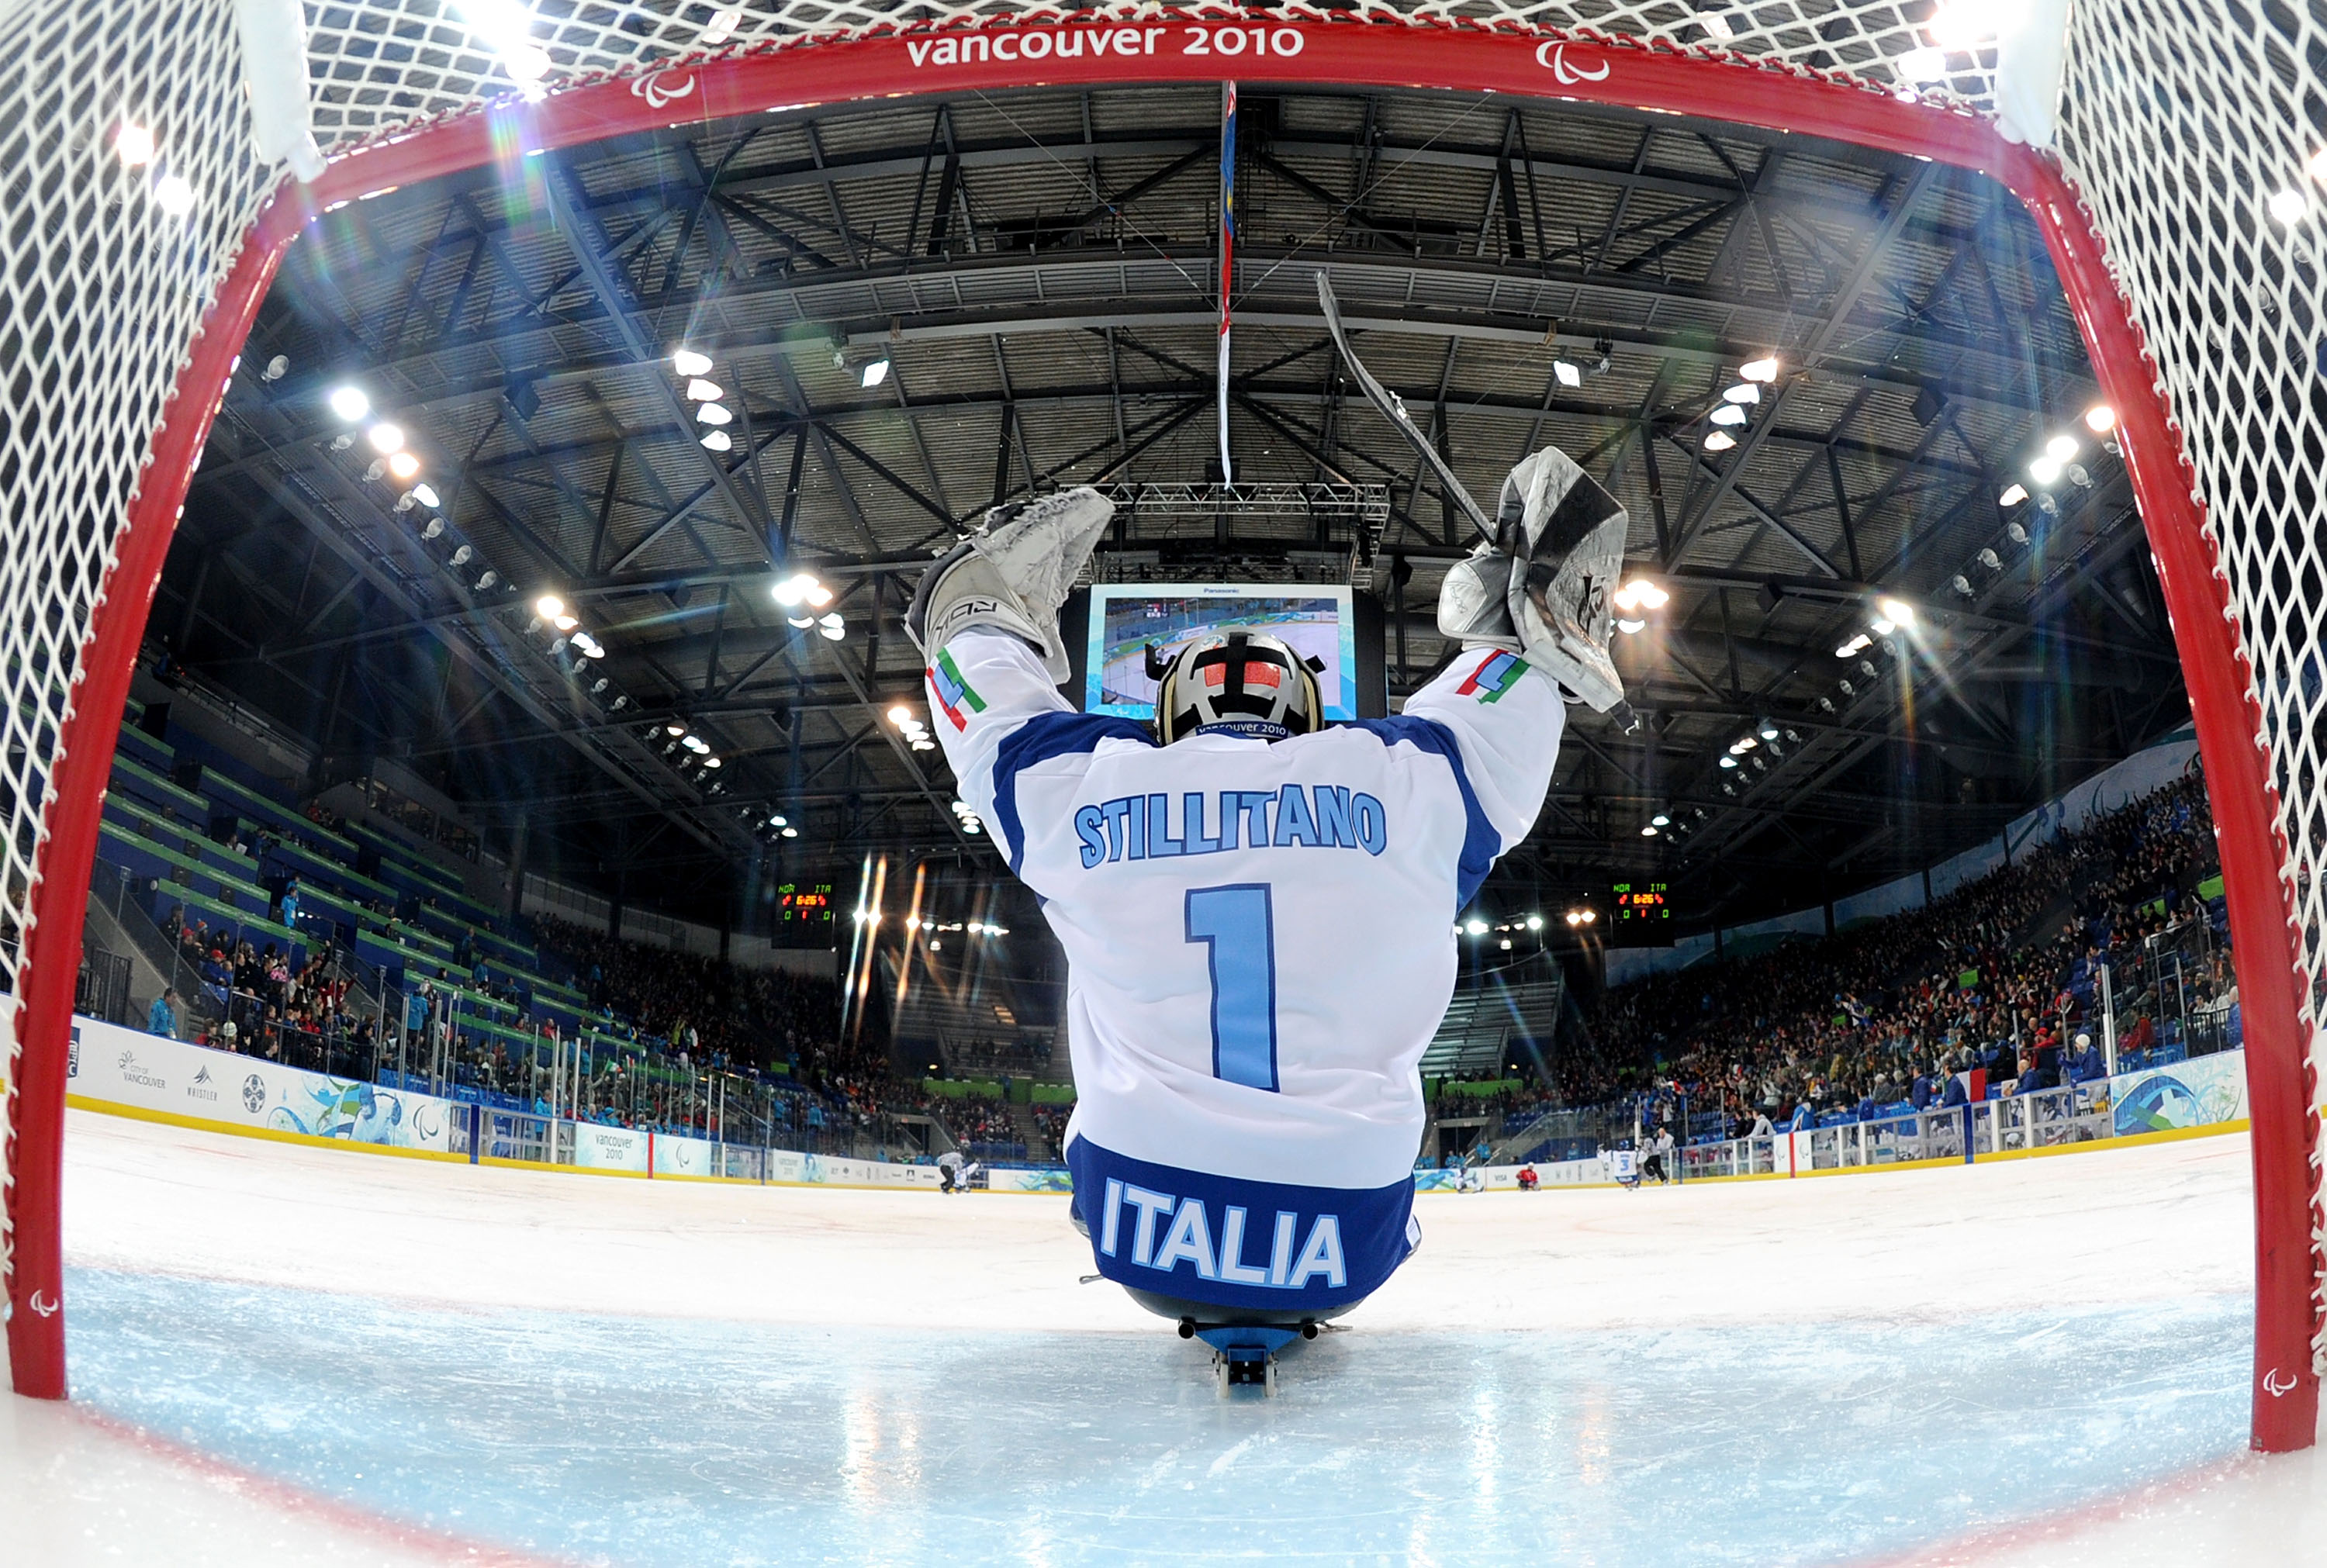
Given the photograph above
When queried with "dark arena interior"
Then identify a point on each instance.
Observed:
(526, 768)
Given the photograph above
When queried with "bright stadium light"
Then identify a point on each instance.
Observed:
(803, 588)
(1896, 609)
(718, 440)
(403, 464)
(1568, 373)
(688, 362)
(901, 715)
(875, 372)
(2060, 448)
(549, 607)
(701, 391)
(2013, 497)
(1764, 370)
(386, 438)
(2288, 206)
(134, 146)
(712, 414)
(1476, 925)
(1660, 820)
(173, 196)
(1720, 441)
(1729, 414)
(426, 495)
(1744, 392)
(2100, 419)
(831, 628)
(1535, 922)
(349, 403)
(2046, 470)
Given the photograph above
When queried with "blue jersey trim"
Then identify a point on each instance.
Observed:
(1266, 1246)
(1481, 843)
(1038, 740)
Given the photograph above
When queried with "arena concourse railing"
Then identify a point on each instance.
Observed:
(2177, 206)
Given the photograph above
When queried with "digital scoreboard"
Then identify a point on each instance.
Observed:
(1638, 901)
(803, 914)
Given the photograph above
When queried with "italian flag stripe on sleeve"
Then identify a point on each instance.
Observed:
(954, 694)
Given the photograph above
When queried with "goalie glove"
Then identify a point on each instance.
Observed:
(1474, 603)
(1012, 574)
(1566, 536)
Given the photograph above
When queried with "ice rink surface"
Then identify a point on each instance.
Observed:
(288, 1354)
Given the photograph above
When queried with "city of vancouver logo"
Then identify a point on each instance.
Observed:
(133, 1071)
(254, 1094)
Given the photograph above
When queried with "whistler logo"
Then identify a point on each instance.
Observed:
(254, 1094)
(132, 1072)
(198, 1089)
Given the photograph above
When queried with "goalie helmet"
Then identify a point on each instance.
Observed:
(1244, 682)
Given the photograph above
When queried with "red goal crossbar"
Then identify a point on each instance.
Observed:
(997, 56)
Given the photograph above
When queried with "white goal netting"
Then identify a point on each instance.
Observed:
(2183, 119)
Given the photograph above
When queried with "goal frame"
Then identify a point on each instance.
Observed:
(1506, 60)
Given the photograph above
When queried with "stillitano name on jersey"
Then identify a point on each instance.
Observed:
(1260, 944)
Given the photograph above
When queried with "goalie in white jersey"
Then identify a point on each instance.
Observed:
(1257, 910)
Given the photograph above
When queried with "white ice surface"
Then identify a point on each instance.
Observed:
(2035, 1362)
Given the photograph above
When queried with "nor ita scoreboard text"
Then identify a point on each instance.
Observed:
(1642, 902)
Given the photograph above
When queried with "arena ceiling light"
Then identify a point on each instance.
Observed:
(711, 761)
(1744, 392)
(718, 440)
(1855, 646)
(675, 729)
(2013, 497)
(403, 464)
(1764, 369)
(1640, 593)
(349, 403)
(1963, 24)
(173, 196)
(1743, 744)
(426, 495)
(696, 745)
(791, 833)
(385, 437)
(2289, 205)
(688, 362)
(712, 414)
(1535, 922)
(2062, 448)
(2046, 470)
(1729, 414)
(800, 623)
(1476, 925)
(507, 27)
(1897, 610)
(699, 391)
(133, 144)
(1660, 820)
(722, 26)
(803, 588)
(2100, 419)
(831, 628)
(1567, 373)
(875, 372)
(1720, 441)
(1728, 761)
(1648, 830)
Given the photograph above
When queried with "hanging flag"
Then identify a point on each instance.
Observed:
(1228, 255)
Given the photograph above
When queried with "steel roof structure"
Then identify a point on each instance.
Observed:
(1039, 270)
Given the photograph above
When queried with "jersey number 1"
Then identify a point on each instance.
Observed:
(1235, 923)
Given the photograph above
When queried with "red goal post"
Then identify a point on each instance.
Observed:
(2177, 130)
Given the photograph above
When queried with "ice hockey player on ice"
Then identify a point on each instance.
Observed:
(1470, 1178)
(953, 1172)
(1257, 908)
(1528, 1180)
(1624, 1165)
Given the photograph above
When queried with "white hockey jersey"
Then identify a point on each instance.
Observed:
(1260, 944)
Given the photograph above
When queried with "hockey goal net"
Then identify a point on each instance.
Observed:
(2182, 211)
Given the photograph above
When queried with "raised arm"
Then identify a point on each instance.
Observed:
(1532, 616)
(987, 620)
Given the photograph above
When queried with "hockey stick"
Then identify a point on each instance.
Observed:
(1393, 408)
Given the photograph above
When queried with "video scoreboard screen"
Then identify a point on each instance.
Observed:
(1318, 621)
(803, 914)
(1642, 902)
